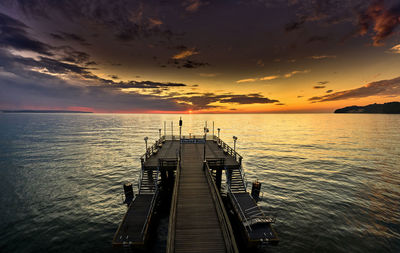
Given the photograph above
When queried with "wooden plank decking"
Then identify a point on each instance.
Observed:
(133, 225)
(170, 147)
(197, 228)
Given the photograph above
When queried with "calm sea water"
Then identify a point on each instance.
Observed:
(332, 181)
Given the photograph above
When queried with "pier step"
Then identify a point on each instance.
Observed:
(148, 182)
(236, 181)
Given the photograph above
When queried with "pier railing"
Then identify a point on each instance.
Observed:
(158, 144)
(229, 238)
(228, 150)
(153, 149)
(174, 204)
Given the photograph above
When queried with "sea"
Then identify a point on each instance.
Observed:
(331, 180)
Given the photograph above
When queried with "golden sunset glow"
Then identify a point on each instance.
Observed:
(151, 59)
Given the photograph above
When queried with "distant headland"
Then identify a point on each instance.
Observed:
(42, 111)
(391, 107)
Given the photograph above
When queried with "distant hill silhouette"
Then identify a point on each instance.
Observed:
(391, 107)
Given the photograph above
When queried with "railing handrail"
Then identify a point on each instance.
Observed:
(240, 209)
(230, 241)
(153, 199)
(150, 150)
(172, 214)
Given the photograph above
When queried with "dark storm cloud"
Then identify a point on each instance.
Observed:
(383, 19)
(22, 86)
(295, 25)
(144, 84)
(205, 100)
(62, 36)
(128, 20)
(184, 63)
(69, 54)
(13, 34)
(383, 87)
(329, 91)
(248, 99)
(325, 12)
(319, 86)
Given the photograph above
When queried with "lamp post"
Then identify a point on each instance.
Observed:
(180, 128)
(159, 133)
(165, 128)
(234, 144)
(219, 129)
(145, 140)
(205, 140)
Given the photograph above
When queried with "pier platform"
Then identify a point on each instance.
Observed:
(192, 169)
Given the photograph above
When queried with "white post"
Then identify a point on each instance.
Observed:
(213, 130)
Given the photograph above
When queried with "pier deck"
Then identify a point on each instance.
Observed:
(197, 227)
(134, 225)
(198, 220)
(170, 147)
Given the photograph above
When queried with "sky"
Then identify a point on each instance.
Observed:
(197, 56)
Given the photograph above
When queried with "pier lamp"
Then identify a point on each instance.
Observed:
(219, 129)
(205, 140)
(159, 133)
(234, 143)
(145, 140)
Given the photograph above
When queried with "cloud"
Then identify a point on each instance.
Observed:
(205, 101)
(155, 22)
(321, 57)
(319, 86)
(248, 99)
(383, 20)
(329, 91)
(295, 72)
(143, 85)
(14, 35)
(260, 63)
(267, 78)
(193, 5)
(323, 82)
(383, 87)
(395, 49)
(26, 82)
(126, 19)
(295, 25)
(185, 54)
(248, 80)
(63, 36)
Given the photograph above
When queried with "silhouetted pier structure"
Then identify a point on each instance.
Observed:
(198, 219)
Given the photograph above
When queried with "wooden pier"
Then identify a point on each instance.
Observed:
(198, 219)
